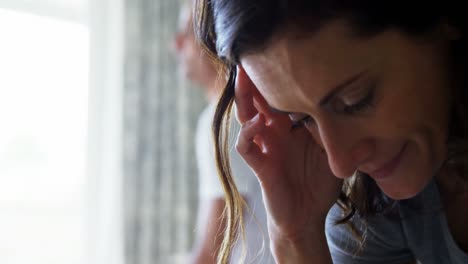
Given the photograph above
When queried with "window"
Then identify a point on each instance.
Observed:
(43, 126)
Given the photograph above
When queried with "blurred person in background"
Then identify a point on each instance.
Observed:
(197, 67)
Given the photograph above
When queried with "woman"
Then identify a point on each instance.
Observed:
(354, 106)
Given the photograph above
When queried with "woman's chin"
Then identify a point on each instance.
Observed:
(399, 195)
(398, 191)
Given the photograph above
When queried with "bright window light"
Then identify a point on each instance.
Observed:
(43, 122)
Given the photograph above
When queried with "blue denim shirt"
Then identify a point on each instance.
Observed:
(419, 233)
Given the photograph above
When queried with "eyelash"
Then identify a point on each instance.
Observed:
(361, 106)
(303, 122)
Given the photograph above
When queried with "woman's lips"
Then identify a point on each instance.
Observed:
(387, 169)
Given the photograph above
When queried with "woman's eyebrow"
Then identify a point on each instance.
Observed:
(274, 110)
(291, 114)
(330, 95)
(340, 87)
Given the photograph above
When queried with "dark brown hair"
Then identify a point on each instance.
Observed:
(230, 29)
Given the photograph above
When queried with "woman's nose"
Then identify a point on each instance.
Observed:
(346, 149)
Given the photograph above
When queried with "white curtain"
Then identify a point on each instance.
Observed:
(160, 112)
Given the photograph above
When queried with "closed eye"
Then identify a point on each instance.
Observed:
(305, 121)
(360, 106)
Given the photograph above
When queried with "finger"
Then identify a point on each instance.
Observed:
(255, 135)
(258, 139)
(261, 105)
(248, 132)
(244, 90)
(273, 119)
(247, 141)
(269, 141)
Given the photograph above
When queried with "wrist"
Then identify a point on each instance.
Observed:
(309, 246)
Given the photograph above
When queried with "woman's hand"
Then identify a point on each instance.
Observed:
(298, 185)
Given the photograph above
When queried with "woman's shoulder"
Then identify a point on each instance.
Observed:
(419, 230)
(424, 219)
(378, 239)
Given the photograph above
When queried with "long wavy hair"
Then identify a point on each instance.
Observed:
(229, 29)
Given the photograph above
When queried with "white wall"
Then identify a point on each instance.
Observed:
(76, 10)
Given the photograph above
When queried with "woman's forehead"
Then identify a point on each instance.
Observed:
(302, 65)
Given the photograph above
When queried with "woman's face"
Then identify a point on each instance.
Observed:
(379, 105)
